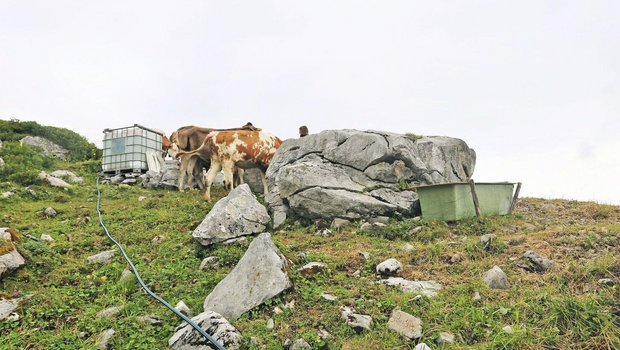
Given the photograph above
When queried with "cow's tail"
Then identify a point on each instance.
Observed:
(191, 153)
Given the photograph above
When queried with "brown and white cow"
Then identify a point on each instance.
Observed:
(242, 148)
(189, 138)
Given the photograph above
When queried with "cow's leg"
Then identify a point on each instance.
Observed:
(228, 167)
(191, 171)
(213, 170)
(240, 173)
(183, 172)
(264, 179)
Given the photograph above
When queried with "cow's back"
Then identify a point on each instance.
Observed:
(246, 149)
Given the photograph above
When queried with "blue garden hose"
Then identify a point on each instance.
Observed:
(155, 296)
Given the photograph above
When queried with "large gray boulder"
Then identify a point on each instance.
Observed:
(187, 338)
(48, 147)
(236, 215)
(351, 174)
(261, 274)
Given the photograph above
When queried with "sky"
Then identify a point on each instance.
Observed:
(532, 86)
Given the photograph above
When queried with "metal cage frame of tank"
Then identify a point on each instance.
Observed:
(125, 149)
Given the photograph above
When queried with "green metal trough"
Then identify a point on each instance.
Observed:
(456, 201)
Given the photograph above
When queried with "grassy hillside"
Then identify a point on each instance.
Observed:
(566, 308)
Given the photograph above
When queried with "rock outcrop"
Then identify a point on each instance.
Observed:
(351, 174)
(261, 274)
(49, 148)
(236, 215)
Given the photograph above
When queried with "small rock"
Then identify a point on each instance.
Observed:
(486, 240)
(46, 238)
(31, 192)
(364, 255)
(214, 324)
(7, 194)
(357, 273)
(456, 258)
(110, 312)
(405, 324)
(102, 339)
(208, 261)
(338, 223)
(378, 224)
(606, 282)
(117, 179)
(507, 329)
(300, 344)
(103, 257)
(129, 182)
(152, 320)
(389, 267)
(357, 321)
(328, 297)
(254, 341)
(324, 232)
(323, 334)
(496, 278)
(49, 212)
(13, 317)
(287, 343)
(277, 310)
(83, 335)
(445, 338)
(290, 305)
(534, 262)
(182, 307)
(422, 346)
(416, 230)
(157, 239)
(8, 306)
(270, 324)
(366, 226)
(476, 297)
(312, 268)
(426, 288)
(125, 275)
(141, 198)
(408, 247)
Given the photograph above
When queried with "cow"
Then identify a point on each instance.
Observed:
(189, 138)
(244, 149)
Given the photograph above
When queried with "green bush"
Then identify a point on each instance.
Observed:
(22, 163)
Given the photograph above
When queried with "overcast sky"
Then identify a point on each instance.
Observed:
(532, 86)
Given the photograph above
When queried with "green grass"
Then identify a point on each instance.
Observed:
(565, 308)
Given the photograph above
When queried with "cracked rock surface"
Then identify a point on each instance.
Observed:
(352, 174)
(236, 215)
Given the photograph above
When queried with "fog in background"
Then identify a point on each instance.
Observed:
(532, 86)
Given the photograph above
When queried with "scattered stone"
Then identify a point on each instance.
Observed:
(103, 257)
(46, 238)
(302, 256)
(366, 226)
(277, 310)
(83, 335)
(129, 182)
(254, 341)
(259, 276)
(323, 334)
(426, 288)
(507, 329)
(141, 199)
(102, 340)
(10, 261)
(110, 312)
(405, 324)
(476, 297)
(49, 212)
(183, 308)
(364, 255)
(496, 278)
(486, 240)
(238, 214)
(606, 282)
(287, 343)
(534, 262)
(422, 346)
(157, 239)
(389, 267)
(53, 181)
(324, 232)
(270, 324)
(152, 320)
(414, 231)
(13, 317)
(445, 338)
(456, 258)
(7, 194)
(312, 268)
(126, 275)
(209, 261)
(7, 306)
(214, 324)
(408, 247)
(300, 344)
(68, 175)
(338, 223)
(357, 273)
(357, 321)
(117, 179)
(290, 305)
(328, 297)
